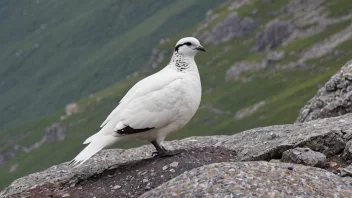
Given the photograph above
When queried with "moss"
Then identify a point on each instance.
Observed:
(339, 8)
(345, 46)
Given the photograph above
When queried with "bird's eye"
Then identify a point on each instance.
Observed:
(188, 43)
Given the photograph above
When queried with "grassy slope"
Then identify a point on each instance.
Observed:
(74, 48)
(285, 92)
(84, 47)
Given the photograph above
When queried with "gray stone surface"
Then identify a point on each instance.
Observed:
(324, 135)
(104, 160)
(55, 132)
(231, 27)
(346, 172)
(347, 152)
(254, 179)
(333, 99)
(234, 73)
(304, 156)
(273, 35)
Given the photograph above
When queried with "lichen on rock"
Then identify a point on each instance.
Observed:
(333, 99)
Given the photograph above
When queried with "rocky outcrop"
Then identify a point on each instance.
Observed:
(254, 179)
(347, 152)
(157, 56)
(234, 73)
(55, 132)
(274, 34)
(304, 156)
(132, 172)
(333, 99)
(9, 153)
(71, 109)
(232, 26)
(327, 45)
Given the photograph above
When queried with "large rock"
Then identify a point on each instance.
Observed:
(347, 152)
(55, 132)
(333, 99)
(304, 156)
(274, 34)
(254, 179)
(117, 172)
(232, 26)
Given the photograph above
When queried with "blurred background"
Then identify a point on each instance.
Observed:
(64, 66)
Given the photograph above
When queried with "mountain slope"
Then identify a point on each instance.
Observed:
(68, 50)
(264, 61)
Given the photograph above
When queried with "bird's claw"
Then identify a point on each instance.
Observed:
(165, 153)
(154, 154)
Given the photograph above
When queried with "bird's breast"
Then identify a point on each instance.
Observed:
(191, 89)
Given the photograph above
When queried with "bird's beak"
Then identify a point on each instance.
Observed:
(200, 48)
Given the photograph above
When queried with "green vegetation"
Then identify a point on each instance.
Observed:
(65, 50)
(284, 91)
(339, 7)
(301, 44)
(263, 10)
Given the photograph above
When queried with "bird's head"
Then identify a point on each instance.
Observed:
(188, 46)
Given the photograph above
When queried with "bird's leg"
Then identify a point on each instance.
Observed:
(161, 151)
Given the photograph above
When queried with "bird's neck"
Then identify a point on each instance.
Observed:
(183, 63)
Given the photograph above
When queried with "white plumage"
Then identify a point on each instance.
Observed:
(154, 107)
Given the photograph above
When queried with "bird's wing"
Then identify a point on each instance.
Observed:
(148, 104)
(128, 95)
(154, 109)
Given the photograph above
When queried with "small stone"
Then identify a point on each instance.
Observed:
(33, 187)
(172, 170)
(332, 164)
(290, 168)
(145, 180)
(346, 172)
(116, 187)
(66, 195)
(275, 161)
(304, 156)
(174, 164)
(148, 187)
(347, 152)
(348, 135)
(165, 167)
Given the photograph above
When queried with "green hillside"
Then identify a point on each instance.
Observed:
(258, 96)
(55, 52)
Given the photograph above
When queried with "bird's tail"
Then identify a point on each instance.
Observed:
(96, 143)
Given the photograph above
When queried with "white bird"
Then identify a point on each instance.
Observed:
(156, 106)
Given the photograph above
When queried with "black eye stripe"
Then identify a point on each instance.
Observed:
(186, 43)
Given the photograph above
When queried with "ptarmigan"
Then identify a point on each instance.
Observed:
(154, 107)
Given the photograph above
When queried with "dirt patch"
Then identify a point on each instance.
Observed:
(135, 178)
(335, 164)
